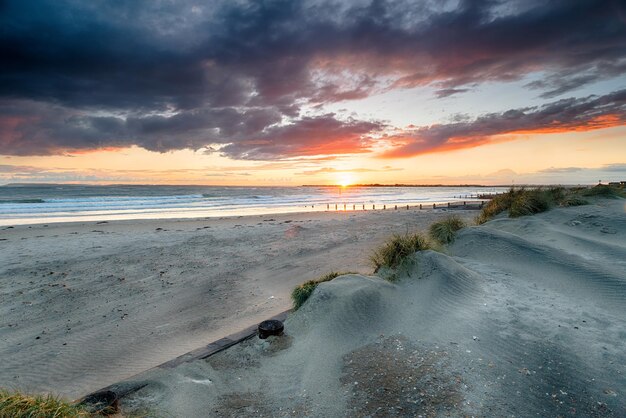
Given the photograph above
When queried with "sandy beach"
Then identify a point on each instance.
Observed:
(173, 174)
(85, 305)
(521, 317)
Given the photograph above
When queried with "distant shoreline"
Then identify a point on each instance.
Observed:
(303, 185)
(444, 185)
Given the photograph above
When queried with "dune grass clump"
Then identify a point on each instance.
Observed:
(15, 404)
(530, 202)
(495, 206)
(396, 250)
(555, 193)
(572, 200)
(523, 202)
(603, 190)
(444, 232)
(301, 293)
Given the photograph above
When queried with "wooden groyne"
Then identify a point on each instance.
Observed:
(460, 204)
(468, 202)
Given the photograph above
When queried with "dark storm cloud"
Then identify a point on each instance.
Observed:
(565, 115)
(168, 75)
(307, 136)
(449, 92)
(34, 129)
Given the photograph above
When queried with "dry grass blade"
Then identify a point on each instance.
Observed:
(395, 250)
(444, 232)
(14, 404)
(523, 202)
(301, 293)
(602, 190)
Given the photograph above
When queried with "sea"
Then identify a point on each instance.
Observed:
(32, 204)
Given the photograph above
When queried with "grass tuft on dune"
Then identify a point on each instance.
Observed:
(495, 206)
(530, 202)
(15, 404)
(573, 200)
(301, 293)
(603, 190)
(444, 232)
(395, 252)
(524, 202)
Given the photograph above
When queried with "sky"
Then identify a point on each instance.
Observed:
(279, 92)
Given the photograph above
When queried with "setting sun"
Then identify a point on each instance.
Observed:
(345, 180)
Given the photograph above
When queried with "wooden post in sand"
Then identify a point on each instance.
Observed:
(420, 206)
(384, 207)
(344, 207)
(448, 204)
(433, 205)
(407, 207)
(373, 207)
(327, 206)
(353, 207)
(396, 207)
(335, 206)
(363, 207)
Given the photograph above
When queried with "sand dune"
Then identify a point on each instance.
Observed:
(523, 317)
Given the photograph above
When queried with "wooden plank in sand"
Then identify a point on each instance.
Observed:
(123, 388)
(219, 345)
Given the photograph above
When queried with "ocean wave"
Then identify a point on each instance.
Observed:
(22, 201)
(112, 199)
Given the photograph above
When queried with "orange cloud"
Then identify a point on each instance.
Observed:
(570, 115)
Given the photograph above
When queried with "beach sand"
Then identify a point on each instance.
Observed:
(522, 317)
(85, 305)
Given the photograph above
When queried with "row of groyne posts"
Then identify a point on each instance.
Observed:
(478, 203)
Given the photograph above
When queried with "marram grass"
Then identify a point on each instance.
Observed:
(444, 231)
(529, 202)
(572, 200)
(301, 293)
(14, 404)
(495, 206)
(523, 202)
(397, 249)
(603, 190)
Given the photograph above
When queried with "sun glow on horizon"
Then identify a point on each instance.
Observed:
(345, 180)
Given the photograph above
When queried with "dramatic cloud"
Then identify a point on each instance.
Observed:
(568, 115)
(33, 129)
(240, 76)
(307, 136)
